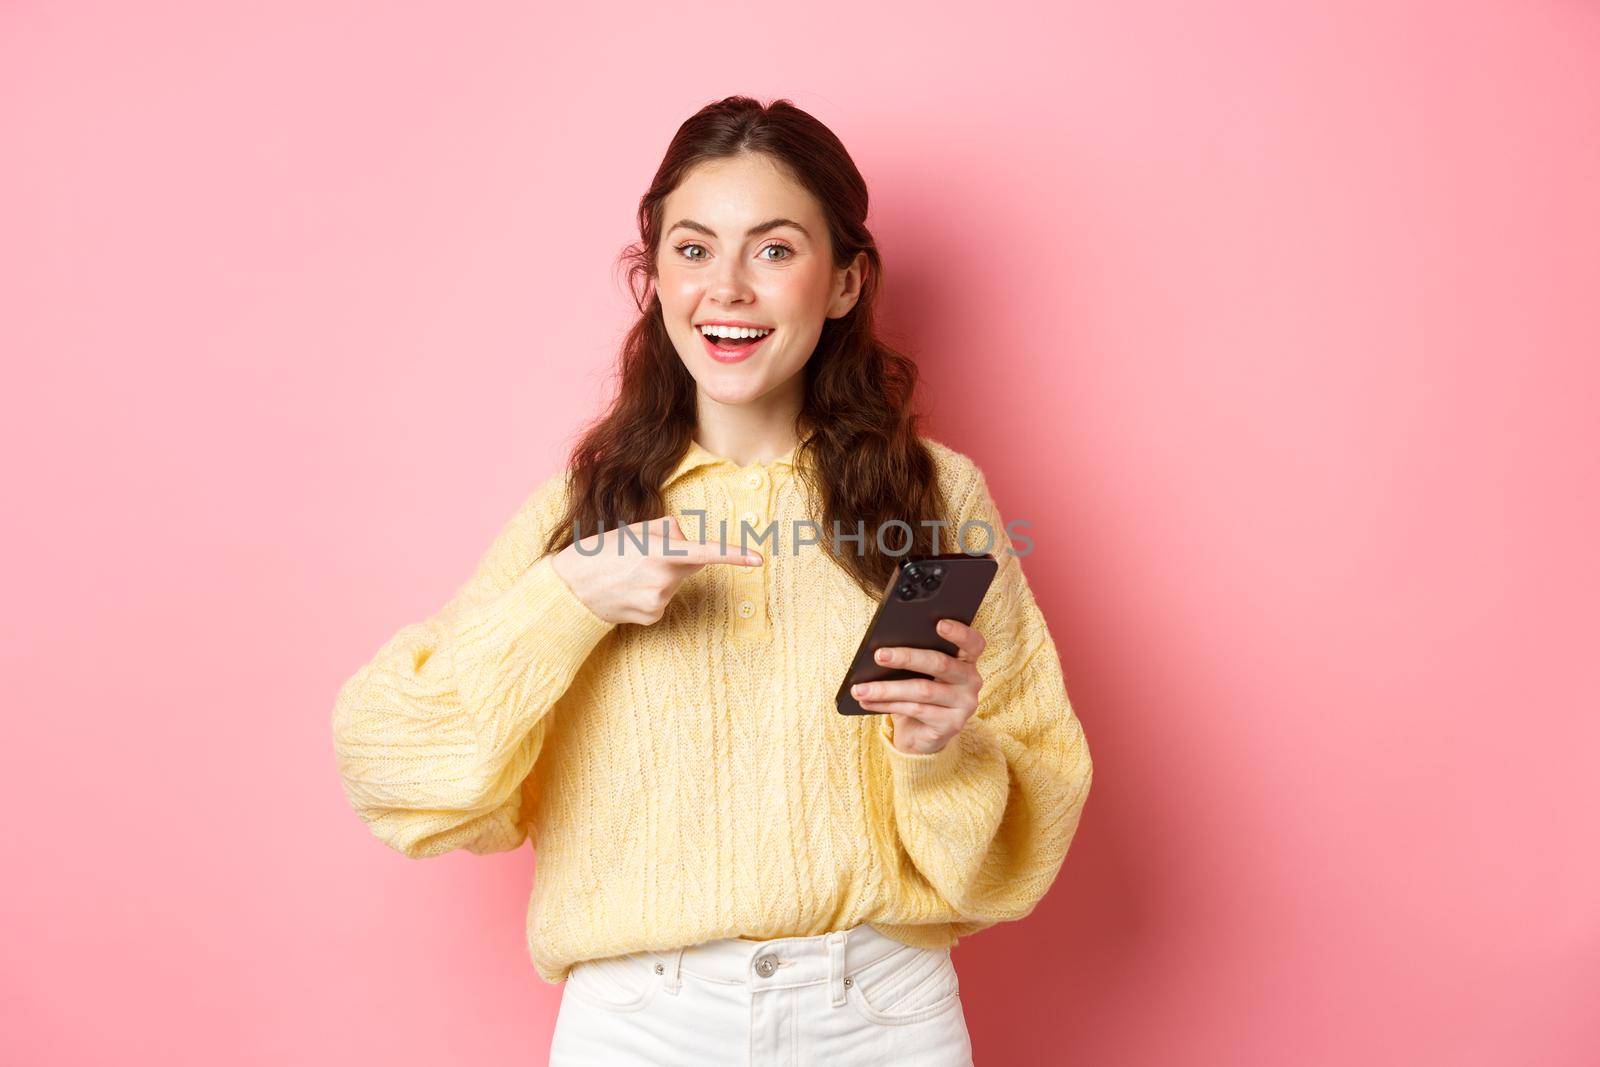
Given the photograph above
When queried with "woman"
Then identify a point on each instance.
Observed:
(729, 870)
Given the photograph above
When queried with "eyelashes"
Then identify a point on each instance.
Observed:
(789, 252)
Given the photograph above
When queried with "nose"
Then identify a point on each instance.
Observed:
(728, 282)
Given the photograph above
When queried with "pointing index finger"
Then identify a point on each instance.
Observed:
(680, 550)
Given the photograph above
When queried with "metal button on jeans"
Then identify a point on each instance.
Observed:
(766, 965)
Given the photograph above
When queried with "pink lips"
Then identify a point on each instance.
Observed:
(738, 355)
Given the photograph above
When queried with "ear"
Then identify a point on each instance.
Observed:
(847, 287)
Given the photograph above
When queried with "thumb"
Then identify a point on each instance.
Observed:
(663, 531)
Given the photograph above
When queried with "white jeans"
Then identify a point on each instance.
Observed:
(842, 999)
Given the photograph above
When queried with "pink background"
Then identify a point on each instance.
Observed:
(1279, 325)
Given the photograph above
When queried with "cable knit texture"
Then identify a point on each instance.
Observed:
(692, 779)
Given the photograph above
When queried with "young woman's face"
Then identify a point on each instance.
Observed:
(744, 243)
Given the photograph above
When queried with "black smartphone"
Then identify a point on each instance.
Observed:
(921, 591)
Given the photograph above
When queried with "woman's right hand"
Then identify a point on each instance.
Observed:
(622, 582)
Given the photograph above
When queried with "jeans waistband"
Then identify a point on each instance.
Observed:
(780, 961)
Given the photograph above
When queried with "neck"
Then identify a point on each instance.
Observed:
(748, 433)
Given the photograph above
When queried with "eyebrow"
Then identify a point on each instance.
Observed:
(770, 224)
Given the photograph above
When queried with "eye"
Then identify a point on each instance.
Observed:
(690, 244)
(779, 245)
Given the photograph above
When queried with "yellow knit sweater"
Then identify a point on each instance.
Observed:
(691, 779)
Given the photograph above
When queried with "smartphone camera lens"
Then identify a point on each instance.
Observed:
(917, 579)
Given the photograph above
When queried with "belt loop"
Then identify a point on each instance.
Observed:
(674, 966)
(836, 976)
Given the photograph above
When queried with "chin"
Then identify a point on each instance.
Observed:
(732, 393)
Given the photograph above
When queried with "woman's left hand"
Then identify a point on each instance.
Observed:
(928, 712)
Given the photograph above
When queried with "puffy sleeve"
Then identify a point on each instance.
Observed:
(435, 734)
(988, 819)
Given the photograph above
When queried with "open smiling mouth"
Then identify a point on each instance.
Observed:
(729, 344)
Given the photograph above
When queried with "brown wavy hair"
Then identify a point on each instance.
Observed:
(857, 426)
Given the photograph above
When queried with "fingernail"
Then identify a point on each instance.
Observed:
(858, 690)
(883, 655)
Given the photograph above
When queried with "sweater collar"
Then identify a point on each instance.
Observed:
(697, 456)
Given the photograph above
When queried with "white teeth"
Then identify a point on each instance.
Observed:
(733, 331)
